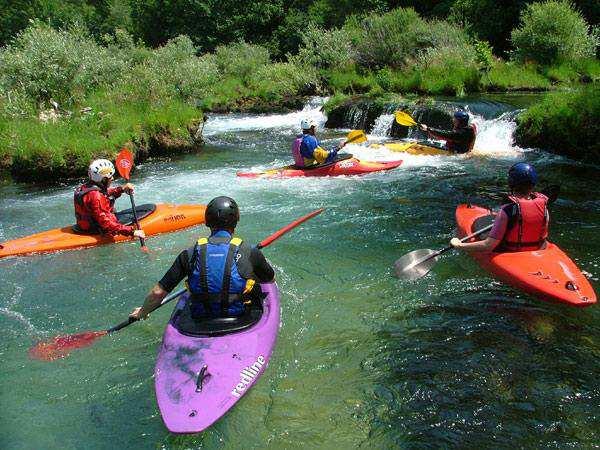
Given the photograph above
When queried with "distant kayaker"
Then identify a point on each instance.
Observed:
(222, 271)
(521, 224)
(307, 150)
(94, 202)
(461, 138)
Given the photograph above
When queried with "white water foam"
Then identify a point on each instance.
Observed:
(224, 123)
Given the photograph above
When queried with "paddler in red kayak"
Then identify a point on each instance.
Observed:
(307, 150)
(222, 271)
(94, 202)
(461, 138)
(521, 224)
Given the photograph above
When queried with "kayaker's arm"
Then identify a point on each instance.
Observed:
(177, 272)
(487, 245)
(153, 301)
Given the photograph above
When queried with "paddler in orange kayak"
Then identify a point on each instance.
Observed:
(521, 224)
(307, 150)
(94, 202)
(461, 138)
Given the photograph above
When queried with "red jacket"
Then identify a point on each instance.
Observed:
(95, 213)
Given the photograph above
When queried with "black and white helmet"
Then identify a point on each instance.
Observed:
(100, 169)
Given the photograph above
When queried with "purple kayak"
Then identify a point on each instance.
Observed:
(202, 370)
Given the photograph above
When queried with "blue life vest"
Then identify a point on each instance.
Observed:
(214, 282)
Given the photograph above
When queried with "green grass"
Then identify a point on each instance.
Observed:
(512, 77)
(40, 151)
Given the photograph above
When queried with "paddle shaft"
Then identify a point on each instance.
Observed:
(130, 320)
(466, 238)
(135, 219)
(265, 243)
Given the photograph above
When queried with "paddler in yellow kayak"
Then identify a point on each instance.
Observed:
(307, 150)
(461, 138)
(94, 202)
(521, 224)
(223, 272)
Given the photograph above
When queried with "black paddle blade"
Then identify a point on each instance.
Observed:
(415, 264)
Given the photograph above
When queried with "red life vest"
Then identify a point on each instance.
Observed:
(527, 223)
(84, 217)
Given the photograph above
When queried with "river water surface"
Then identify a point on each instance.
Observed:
(452, 360)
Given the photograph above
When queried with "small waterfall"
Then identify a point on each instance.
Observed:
(383, 125)
(225, 123)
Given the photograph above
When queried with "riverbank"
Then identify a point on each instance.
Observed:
(66, 97)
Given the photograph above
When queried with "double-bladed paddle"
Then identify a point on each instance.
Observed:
(124, 165)
(61, 346)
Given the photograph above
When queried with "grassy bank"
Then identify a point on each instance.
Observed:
(565, 123)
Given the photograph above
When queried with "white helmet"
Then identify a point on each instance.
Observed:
(307, 124)
(100, 169)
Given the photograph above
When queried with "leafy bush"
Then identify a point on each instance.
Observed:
(449, 70)
(396, 38)
(43, 63)
(566, 123)
(552, 32)
(172, 71)
(326, 48)
(240, 59)
(349, 81)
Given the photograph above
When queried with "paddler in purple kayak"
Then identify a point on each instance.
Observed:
(223, 272)
(307, 150)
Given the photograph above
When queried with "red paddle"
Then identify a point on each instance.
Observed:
(124, 165)
(61, 346)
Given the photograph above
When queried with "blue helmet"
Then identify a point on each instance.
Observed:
(462, 116)
(522, 174)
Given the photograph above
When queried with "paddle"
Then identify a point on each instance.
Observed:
(61, 346)
(124, 166)
(418, 263)
(405, 119)
(356, 136)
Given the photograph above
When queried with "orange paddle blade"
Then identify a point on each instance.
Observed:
(124, 163)
(61, 346)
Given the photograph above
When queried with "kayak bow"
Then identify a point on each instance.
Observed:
(164, 218)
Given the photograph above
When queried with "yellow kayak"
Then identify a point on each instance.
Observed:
(413, 148)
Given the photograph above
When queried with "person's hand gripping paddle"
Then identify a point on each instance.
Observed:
(124, 165)
(62, 346)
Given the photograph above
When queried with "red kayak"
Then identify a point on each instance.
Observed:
(548, 273)
(346, 165)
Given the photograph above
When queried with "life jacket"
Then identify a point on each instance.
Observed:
(527, 223)
(216, 287)
(298, 158)
(84, 217)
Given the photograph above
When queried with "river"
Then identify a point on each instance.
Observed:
(362, 360)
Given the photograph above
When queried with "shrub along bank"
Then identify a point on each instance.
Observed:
(565, 123)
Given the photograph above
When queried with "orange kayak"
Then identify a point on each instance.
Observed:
(154, 219)
(345, 165)
(548, 273)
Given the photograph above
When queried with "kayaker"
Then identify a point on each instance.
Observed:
(94, 202)
(521, 224)
(307, 150)
(461, 138)
(222, 271)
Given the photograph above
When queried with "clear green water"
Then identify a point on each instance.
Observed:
(363, 360)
